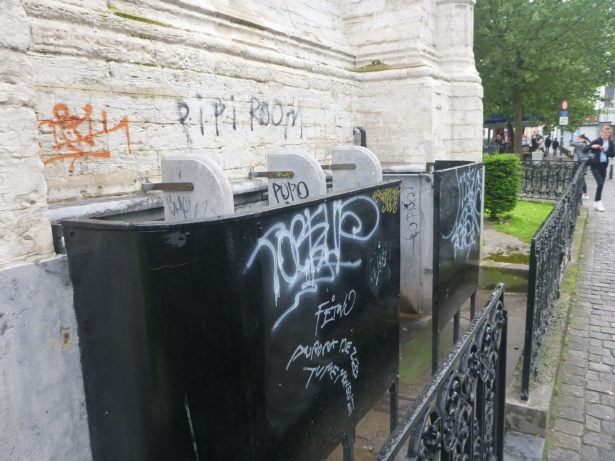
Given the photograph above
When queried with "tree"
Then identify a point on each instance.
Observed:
(533, 54)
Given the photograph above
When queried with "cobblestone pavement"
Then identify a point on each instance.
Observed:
(583, 423)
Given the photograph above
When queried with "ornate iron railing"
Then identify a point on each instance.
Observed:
(546, 179)
(550, 251)
(460, 415)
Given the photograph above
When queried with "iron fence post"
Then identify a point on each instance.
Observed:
(393, 405)
(500, 428)
(348, 446)
(456, 320)
(529, 324)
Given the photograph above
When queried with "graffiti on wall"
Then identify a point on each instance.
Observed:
(410, 214)
(75, 137)
(217, 117)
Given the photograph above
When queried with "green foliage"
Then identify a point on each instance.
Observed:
(539, 52)
(524, 220)
(502, 174)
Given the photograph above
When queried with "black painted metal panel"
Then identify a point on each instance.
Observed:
(446, 164)
(457, 232)
(259, 337)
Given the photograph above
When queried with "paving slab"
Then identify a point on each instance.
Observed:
(582, 419)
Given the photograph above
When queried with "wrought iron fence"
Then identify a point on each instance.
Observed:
(550, 251)
(460, 415)
(546, 179)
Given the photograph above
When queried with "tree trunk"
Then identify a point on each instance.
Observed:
(511, 135)
(516, 95)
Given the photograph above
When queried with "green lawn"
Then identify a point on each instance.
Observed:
(524, 220)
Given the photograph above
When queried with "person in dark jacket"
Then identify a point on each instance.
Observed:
(555, 145)
(581, 157)
(534, 143)
(601, 149)
(548, 143)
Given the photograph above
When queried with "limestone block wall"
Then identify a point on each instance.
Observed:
(97, 91)
(398, 33)
(454, 46)
(24, 227)
(154, 80)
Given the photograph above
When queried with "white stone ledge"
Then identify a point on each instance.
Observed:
(98, 208)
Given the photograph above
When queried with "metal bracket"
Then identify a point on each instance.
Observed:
(340, 166)
(168, 186)
(270, 174)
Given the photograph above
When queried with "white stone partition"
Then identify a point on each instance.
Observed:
(307, 182)
(212, 195)
(367, 171)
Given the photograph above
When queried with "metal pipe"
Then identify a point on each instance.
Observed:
(168, 186)
(360, 136)
(270, 174)
(340, 166)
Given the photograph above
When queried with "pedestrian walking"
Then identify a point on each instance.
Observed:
(534, 143)
(601, 149)
(548, 143)
(541, 145)
(555, 145)
(581, 156)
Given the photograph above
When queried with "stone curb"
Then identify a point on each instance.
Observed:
(532, 416)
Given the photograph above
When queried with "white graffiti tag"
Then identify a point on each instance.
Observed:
(310, 250)
(466, 231)
(318, 368)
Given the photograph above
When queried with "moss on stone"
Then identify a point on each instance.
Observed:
(415, 362)
(133, 17)
(375, 66)
(516, 258)
(515, 279)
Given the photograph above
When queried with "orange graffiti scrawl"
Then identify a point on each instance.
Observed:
(74, 136)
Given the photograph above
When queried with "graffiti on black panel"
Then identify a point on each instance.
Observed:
(466, 231)
(324, 361)
(378, 269)
(310, 249)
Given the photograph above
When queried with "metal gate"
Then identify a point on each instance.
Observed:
(460, 415)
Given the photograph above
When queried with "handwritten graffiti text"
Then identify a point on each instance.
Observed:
(229, 114)
(288, 191)
(328, 312)
(410, 215)
(317, 351)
